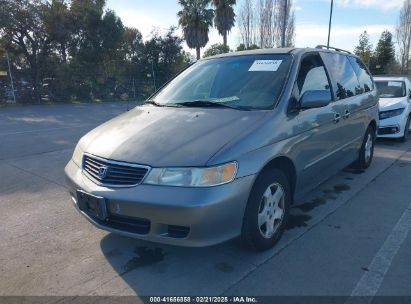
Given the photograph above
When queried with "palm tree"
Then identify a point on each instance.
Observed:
(195, 19)
(224, 17)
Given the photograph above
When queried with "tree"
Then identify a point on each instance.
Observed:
(23, 26)
(195, 19)
(216, 49)
(290, 28)
(132, 45)
(79, 50)
(280, 14)
(171, 55)
(224, 19)
(130, 63)
(403, 35)
(60, 26)
(265, 28)
(247, 23)
(364, 48)
(266, 23)
(164, 56)
(384, 53)
(96, 48)
(242, 47)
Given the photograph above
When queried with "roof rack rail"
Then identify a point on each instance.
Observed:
(332, 48)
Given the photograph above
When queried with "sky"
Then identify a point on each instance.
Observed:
(350, 19)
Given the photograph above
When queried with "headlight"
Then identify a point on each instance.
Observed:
(391, 113)
(192, 177)
(78, 156)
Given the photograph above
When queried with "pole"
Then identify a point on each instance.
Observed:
(329, 24)
(154, 76)
(285, 13)
(11, 77)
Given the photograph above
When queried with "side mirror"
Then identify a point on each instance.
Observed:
(315, 99)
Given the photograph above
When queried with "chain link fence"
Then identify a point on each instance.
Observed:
(51, 90)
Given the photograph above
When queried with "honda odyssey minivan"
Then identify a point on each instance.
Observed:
(227, 146)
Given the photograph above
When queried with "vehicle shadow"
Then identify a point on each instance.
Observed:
(155, 269)
(388, 141)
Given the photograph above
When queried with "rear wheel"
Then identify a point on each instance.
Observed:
(267, 210)
(406, 130)
(367, 150)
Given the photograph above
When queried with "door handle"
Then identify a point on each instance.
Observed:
(337, 117)
(347, 114)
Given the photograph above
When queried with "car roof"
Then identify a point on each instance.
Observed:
(390, 78)
(296, 51)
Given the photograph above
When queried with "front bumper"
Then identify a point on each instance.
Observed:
(392, 127)
(172, 215)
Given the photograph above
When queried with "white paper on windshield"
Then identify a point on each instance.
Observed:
(265, 66)
(395, 84)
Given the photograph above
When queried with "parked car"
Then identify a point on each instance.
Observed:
(226, 147)
(395, 107)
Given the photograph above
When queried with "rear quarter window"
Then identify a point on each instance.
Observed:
(362, 73)
(344, 80)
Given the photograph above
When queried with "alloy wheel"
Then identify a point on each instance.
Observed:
(271, 210)
(368, 148)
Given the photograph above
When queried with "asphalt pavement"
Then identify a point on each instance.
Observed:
(348, 237)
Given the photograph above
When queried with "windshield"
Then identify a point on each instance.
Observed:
(248, 82)
(390, 89)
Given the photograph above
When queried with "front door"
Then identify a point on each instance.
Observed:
(323, 129)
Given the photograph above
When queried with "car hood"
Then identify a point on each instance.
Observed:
(387, 104)
(169, 136)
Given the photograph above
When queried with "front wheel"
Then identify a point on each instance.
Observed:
(367, 150)
(267, 210)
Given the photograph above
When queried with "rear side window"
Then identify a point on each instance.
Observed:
(345, 81)
(362, 73)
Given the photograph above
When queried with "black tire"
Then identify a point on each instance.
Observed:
(252, 235)
(406, 130)
(363, 162)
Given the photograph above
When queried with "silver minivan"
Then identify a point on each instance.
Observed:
(225, 147)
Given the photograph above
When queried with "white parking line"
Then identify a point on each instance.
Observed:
(370, 282)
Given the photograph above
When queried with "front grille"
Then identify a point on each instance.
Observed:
(113, 173)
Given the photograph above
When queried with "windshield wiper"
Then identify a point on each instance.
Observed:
(208, 103)
(153, 102)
